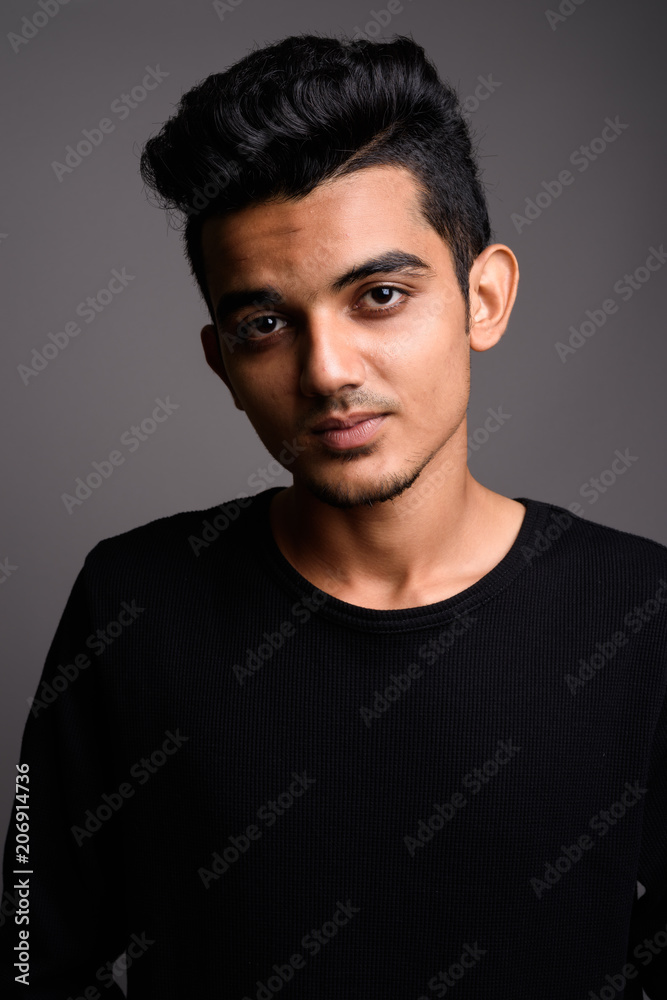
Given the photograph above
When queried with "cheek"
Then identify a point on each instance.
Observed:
(431, 351)
(431, 328)
(258, 381)
(266, 400)
(436, 381)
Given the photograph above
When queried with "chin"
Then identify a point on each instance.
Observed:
(345, 495)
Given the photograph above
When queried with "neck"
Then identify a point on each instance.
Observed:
(438, 537)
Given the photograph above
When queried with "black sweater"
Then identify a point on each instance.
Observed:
(255, 788)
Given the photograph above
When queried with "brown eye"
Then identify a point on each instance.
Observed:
(263, 326)
(382, 294)
(382, 297)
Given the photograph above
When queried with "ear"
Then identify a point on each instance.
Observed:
(213, 354)
(494, 279)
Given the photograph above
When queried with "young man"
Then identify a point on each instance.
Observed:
(384, 731)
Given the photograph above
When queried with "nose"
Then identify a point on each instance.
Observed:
(330, 358)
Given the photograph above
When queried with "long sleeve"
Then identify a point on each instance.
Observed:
(647, 952)
(75, 919)
(353, 802)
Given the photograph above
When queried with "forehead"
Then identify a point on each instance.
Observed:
(368, 210)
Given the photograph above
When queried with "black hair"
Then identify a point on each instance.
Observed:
(308, 108)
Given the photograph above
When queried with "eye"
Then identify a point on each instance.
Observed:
(260, 326)
(385, 293)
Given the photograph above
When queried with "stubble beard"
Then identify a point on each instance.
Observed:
(344, 496)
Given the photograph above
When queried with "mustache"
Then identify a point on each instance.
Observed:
(348, 404)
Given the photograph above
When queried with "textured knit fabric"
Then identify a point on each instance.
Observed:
(256, 789)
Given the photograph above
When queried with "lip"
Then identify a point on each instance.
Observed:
(357, 429)
(334, 423)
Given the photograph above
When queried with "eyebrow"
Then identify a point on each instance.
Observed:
(392, 261)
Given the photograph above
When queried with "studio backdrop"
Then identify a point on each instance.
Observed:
(101, 345)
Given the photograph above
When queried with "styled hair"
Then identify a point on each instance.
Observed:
(308, 108)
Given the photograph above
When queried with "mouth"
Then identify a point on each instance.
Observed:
(354, 430)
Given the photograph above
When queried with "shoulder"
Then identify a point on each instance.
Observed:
(174, 543)
(587, 544)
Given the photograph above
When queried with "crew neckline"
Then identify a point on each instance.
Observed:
(394, 619)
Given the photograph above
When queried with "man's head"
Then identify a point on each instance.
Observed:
(286, 117)
(317, 174)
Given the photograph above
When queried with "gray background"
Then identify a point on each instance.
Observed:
(60, 240)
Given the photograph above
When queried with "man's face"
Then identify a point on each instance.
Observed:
(327, 349)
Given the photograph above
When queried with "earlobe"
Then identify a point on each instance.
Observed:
(214, 359)
(494, 278)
